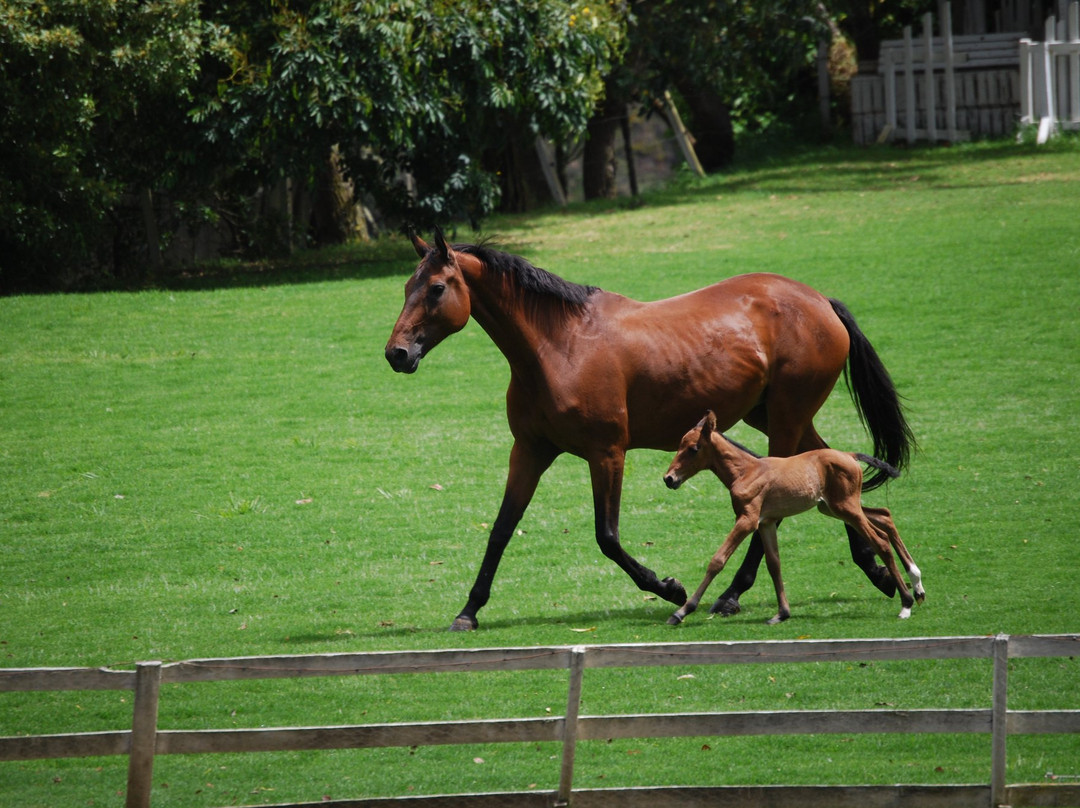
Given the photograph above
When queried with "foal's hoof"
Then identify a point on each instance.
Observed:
(674, 620)
(464, 623)
(779, 618)
(726, 607)
(672, 591)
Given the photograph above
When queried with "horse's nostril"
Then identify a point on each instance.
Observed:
(397, 357)
(670, 481)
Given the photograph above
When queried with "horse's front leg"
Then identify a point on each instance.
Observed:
(527, 465)
(772, 561)
(607, 478)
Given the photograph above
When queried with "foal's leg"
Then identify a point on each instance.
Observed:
(728, 603)
(853, 515)
(772, 561)
(743, 526)
(881, 519)
(607, 477)
(784, 444)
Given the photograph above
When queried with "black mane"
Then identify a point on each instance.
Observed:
(529, 278)
(738, 445)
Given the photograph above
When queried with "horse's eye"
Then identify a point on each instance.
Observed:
(436, 290)
(693, 450)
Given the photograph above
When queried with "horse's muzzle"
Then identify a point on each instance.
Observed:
(671, 481)
(402, 360)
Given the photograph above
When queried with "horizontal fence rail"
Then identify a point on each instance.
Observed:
(145, 739)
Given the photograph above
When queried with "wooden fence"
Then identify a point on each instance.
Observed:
(145, 739)
(1050, 76)
(943, 88)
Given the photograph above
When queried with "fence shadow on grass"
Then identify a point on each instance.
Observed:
(390, 256)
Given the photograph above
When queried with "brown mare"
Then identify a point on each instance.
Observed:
(764, 490)
(594, 374)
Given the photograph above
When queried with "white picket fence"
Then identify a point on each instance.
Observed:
(1050, 76)
(950, 88)
(146, 739)
(938, 88)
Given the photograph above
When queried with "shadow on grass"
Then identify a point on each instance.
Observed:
(786, 170)
(583, 622)
(387, 257)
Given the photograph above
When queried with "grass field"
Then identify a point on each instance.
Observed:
(229, 467)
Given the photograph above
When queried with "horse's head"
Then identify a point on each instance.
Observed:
(436, 305)
(693, 454)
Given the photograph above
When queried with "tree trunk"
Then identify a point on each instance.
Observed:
(598, 165)
(714, 137)
(332, 207)
(521, 177)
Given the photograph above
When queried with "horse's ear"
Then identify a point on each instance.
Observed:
(419, 244)
(708, 424)
(442, 246)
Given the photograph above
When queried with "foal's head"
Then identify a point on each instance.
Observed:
(694, 454)
(437, 305)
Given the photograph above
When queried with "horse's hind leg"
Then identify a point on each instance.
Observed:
(882, 520)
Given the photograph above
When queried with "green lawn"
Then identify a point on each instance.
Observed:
(229, 467)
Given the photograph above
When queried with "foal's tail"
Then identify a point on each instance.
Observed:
(880, 465)
(876, 401)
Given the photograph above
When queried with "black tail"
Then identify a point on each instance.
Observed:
(876, 401)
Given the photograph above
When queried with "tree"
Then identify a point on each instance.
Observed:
(425, 102)
(90, 92)
(123, 119)
(728, 63)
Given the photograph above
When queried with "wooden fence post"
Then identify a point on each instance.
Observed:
(551, 173)
(682, 136)
(570, 728)
(143, 734)
(999, 720)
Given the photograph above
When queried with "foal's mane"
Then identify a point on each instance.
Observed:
(739, 446)
(531, 281)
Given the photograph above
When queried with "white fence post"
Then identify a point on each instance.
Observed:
(909, 84)
(1073, 37)
(950, 73)
(1027, 86)
(928, 77)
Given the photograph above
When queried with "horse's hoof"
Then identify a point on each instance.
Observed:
(879, 576)
(726, 607)
(464, 624)
(674, 620)
(780, 618)
(672, 591)
(905, 613)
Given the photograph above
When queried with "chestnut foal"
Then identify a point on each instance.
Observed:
(766, 489)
